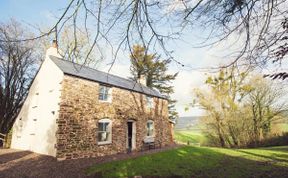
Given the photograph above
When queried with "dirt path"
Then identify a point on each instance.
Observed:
(26, 164)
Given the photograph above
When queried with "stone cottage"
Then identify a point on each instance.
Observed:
(73, 111)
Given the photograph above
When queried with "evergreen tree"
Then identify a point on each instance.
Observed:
(155, 71)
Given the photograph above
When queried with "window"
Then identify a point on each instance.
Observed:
(149, 102)
(150, 128)
(20, 129)
(105, 93)
(35, 100)
(104, 131)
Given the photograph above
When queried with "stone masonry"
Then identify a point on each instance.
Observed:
(80, 111)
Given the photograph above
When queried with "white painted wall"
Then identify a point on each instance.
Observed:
(35, 127)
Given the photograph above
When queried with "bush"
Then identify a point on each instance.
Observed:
(278, 140)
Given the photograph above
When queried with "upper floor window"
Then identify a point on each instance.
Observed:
(149, 101)
(104, 131)
(150, 128)
(105, 93)
(20, 128)
(35, 100)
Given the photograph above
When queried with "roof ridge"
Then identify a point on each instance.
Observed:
(71, 68)
(104, 72)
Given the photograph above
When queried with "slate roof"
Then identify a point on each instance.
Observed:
(77, 70)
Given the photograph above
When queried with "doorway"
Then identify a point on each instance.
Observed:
(131, 135)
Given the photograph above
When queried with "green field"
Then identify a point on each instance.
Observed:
(195, 137)
(285, 127)
(191, 161)
(188, 136)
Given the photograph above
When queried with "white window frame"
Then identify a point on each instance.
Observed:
(153, 128)
(149, 102)
(109, 94)
(109, 130)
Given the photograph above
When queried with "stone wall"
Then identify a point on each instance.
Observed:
(80, 111)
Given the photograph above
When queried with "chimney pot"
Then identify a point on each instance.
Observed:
(54, 44)
(53, 50)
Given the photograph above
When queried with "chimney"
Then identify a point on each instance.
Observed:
(54, 44)
(53, 50)
(142, 80)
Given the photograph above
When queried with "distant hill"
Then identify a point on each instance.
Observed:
(187, 123)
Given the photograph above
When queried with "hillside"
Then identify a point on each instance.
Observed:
(188, 123)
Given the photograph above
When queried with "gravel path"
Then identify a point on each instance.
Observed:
(26, 164)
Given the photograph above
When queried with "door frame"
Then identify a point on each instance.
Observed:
(133, 135)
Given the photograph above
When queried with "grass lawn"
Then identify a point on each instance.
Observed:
(191, 161)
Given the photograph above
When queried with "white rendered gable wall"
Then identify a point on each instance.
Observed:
(35, 127)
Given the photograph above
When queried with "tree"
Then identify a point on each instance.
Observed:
(18, 63)
(281, 52)
(155, 72)
(75, 50)
(265, 105)
(255, 24)
(222, 102)
(240, 109)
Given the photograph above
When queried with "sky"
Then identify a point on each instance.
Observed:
(32, 12)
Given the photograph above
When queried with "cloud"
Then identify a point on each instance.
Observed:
(184, 84)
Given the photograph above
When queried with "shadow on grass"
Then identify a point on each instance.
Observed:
(279, 148)
(280, 157)
(191, 162)
(181, 162)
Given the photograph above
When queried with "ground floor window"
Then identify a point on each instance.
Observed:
(150, 128)
(104, 131)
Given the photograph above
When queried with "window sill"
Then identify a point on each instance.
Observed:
(105, 143)
(103, 101)
(150, 136)
(149, 139)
